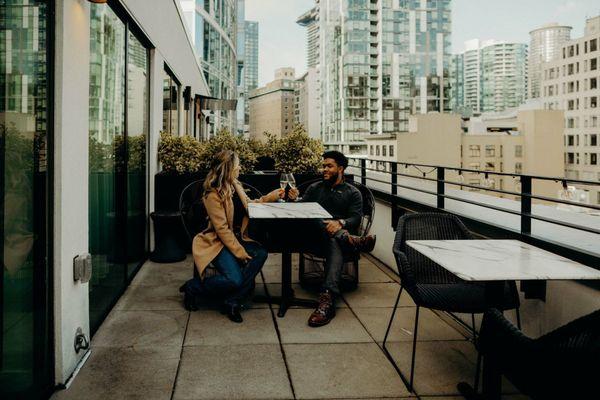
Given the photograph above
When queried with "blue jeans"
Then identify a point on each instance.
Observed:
(233, 282)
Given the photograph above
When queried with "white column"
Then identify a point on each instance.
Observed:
(71, 125)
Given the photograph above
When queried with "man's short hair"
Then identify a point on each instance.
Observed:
(340, 159)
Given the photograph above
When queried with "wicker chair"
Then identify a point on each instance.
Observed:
(194, 216)
(561, 364)
(430, 285)
(311, 267)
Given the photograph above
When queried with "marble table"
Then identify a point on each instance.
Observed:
(494, 262)
(287, 211)
(276, 214)
(500, 260)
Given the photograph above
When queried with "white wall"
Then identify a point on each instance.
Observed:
(71, 104)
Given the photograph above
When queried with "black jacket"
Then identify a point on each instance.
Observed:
(343, 201)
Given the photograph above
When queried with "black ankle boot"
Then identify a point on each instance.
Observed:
(233, 313)
(189, 302)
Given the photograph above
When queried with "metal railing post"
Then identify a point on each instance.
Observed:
(363, 171)
(525, 205)
(394, 182)
(441, 172)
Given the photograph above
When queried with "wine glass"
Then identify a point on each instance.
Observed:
(283, 182)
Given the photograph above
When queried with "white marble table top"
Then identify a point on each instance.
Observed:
(287, 211)
(494, 260)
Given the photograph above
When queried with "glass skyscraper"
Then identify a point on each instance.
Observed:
(381, 60)
(250, 64)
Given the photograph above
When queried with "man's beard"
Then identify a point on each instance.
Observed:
(332, 179)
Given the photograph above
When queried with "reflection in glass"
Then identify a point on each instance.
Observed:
(107, 125)
(24, 313)
(137, 131)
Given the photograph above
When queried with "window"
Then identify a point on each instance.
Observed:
(518, 168)
(593, 64)
(570, 158)
(490, 150)
(570, 140)
(593, 83)
(593, 45)
(518, 150)
(593, 140)
(171, 89)
(593, 159)
(593, 102)
(391, 151)
(384, 151)
(474, 150)
(371, 150)
(490, 166)
(377, 152)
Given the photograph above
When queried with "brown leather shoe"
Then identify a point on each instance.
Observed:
(363, 244)
(324, 313)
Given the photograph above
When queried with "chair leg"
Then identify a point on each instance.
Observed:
(518, 317)
(387, 332)
(477, 372)
(414, 351)
(473, 327)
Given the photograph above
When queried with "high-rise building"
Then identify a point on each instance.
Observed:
(241, 59)
(213, 26)
(503, 76)
(457, 83)
(310, 20)
(494, 76)
(571, 83)
(544, 46)
(381, 61)
(272, 106)
(250, 66)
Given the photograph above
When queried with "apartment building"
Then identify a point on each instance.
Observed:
(272, 106)
(381, 61)
(571, 83)
(307, 103)
(521, 142)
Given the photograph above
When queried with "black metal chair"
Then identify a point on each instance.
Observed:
(430, 285)
(312, 267)
(194, 216)
(560, 364)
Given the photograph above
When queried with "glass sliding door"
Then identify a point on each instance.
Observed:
(137, 138)
(25, 304)
(106, 163)
(118, 136)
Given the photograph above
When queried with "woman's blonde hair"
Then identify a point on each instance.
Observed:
(221, 176)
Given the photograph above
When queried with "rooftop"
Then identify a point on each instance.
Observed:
(150, 347)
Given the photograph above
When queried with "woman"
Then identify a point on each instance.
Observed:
(224, 243)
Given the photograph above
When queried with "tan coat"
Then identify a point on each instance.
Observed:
(219, 233)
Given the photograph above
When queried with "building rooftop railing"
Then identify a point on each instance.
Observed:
(385, 182)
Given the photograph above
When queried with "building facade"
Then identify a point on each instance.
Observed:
(250, 67)
(214, 28)
(571, 83)
(544, 46)
(310, 20)
(272, 106)
(307, 103)
(380, 62)
(523, 142)
(494, 76)
(82, 105)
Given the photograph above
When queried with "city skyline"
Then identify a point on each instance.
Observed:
(481, 22)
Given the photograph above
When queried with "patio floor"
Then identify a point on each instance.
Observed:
(149, 347)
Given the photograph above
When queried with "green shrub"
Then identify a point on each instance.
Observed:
(181, 154)
(225, 140)
(296, 152)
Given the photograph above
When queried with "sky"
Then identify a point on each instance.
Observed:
(282, 42)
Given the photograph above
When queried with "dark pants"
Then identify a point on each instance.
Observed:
(333, 249)
(233, 282)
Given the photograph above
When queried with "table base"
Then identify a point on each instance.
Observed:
(285, 302)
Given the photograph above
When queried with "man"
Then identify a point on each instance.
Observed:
(333, 238)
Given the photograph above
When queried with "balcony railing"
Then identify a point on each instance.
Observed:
(424, 187)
